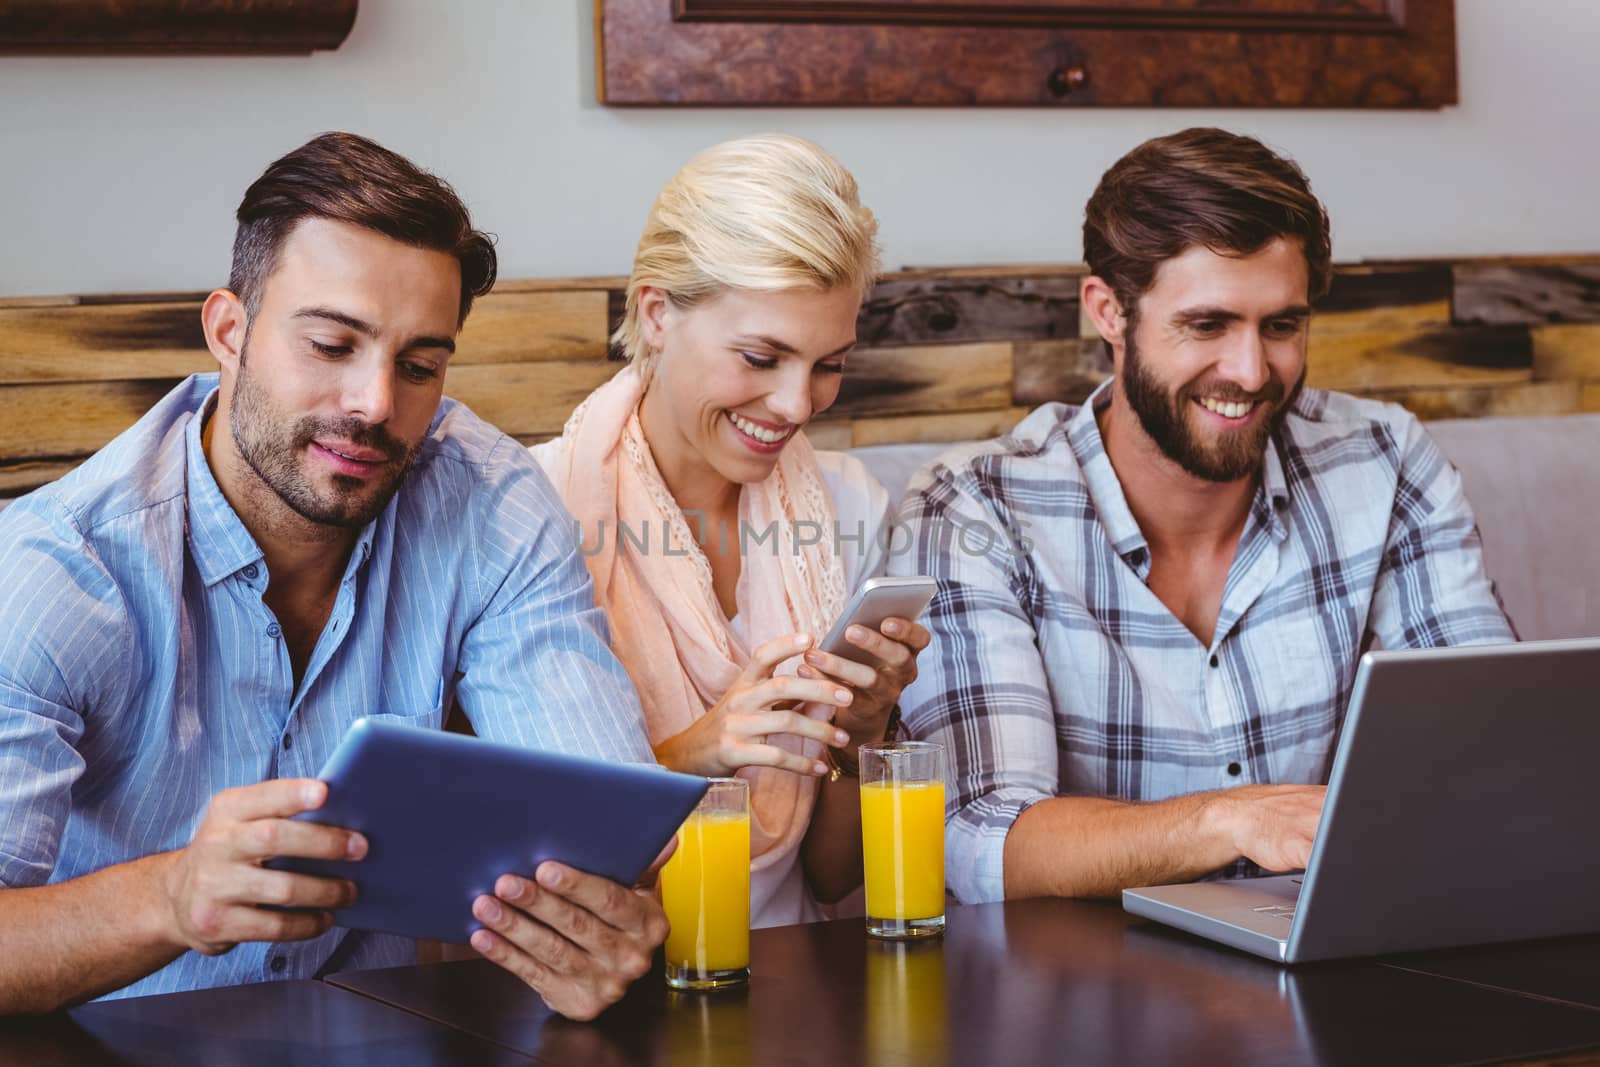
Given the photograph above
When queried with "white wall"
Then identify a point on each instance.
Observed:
(122, 174)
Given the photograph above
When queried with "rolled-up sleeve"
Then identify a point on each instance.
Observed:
(63, 638)
(1432, 588)
(536, 665)
(981, 690)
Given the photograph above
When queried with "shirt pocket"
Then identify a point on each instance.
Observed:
(426, 711)
(1306, 662)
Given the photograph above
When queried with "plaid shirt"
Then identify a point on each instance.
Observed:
(1055, 670)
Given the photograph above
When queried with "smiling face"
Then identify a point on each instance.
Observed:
(1215, 355)
(735, 376)
(341, 374)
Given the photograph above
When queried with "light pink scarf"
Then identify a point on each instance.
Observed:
(666, 624)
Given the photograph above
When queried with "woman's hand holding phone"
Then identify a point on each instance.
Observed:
(892, 650)
(734, 732)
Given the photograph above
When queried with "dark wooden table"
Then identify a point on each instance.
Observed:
(1565, 971)
(1035, 982)
(273, 1023)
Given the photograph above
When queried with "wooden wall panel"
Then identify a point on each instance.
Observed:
(1566, 352)
(934, 310)
(109, 342)
(958, 426)
(517, 327)
(947, 354)
(1057, 370)
(527, 398)
(118, 341)
(1527, 294)
(1365, 362)
(912, 380)
(57, 421)
(1526, 398)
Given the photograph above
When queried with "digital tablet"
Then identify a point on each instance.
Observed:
(445, 815)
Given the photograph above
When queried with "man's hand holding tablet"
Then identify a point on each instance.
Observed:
(215, 886)
(550, 887)
(578, 939)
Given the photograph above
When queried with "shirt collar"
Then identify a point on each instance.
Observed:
(219, 542)
(1105, 489)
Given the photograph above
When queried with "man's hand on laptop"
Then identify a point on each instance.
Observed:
(1274, 825)
(576, 938)
(215, 885)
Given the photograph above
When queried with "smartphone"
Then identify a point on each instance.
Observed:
(878, 599)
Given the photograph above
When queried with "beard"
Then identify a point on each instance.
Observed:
(273, 445)
(1165, 416)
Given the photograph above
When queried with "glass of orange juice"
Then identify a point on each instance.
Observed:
(705, 889)
(902, 838)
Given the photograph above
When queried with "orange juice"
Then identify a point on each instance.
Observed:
(904, 882)
(705, 889)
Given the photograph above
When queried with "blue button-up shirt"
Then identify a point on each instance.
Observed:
(141, 673)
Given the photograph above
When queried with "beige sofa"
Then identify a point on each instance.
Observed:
(1534, 484)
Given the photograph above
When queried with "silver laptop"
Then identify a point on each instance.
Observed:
(1463, 808)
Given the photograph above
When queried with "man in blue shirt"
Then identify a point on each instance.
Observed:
(190, 621)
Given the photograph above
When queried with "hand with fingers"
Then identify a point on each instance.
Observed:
(215, 886)
(1274, 825)
(576, 939)
(875, 686)
(734, 733)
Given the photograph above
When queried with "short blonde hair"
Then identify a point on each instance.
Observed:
(759, 213)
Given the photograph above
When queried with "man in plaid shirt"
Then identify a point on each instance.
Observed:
(1151, 606)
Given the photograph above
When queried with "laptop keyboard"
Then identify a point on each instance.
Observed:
(1280, 911)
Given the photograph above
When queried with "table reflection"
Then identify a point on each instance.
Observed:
(907, 1003)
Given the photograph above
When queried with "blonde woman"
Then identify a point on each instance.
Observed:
(695, 492)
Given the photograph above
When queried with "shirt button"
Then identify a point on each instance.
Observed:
(278, 964)
(288, 742)
(1213, 659)
(252, 572)
(1235, 770)
(274, 630)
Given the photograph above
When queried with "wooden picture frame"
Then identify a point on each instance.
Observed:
(1008, 53)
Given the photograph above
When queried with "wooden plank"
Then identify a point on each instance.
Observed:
(959, 426)
(527, 398)
(1527, 398)
(115, 342)
(101, 343)
(1590, 397)
(515, 327)
(1363, 362)
(1386, 296)
(912, 380)
(1371, 296)
(1074, 271)
(54, 421)
(1057, 370)
(19, 478)
(1529, 294)
(949, 310)
(543, 285)
(831, 434)
(37, 301)
(1562, 352)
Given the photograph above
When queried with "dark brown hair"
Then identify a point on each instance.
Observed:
(1205, 187)
(347, 178)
